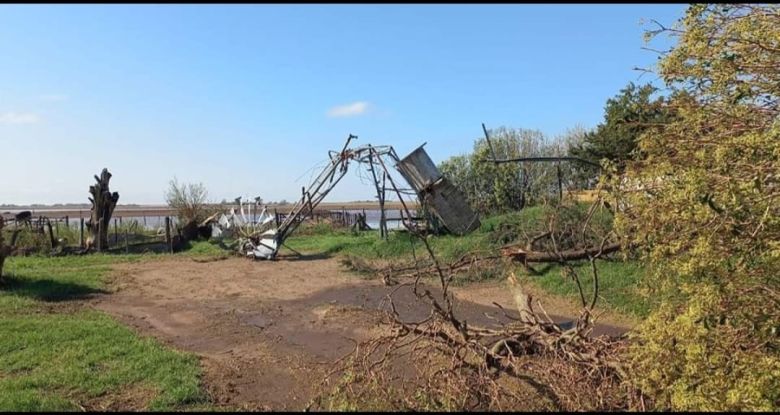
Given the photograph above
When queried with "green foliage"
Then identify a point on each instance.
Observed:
(626, 117)
(55, 358)
(492, 188)
(522, 227)
(704, 206)
(33, 241)
(495, 231)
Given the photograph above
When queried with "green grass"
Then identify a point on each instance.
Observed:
(494, 231)
(32, 281)
(398, 244)
(206, 251)
(53, 362)
(619, 285)
(58, 355)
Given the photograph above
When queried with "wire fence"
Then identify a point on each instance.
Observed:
(66, 233)
(53, 233)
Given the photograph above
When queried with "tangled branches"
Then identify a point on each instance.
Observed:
(465, 366)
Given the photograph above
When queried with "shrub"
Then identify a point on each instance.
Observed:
(190, 201)
(704, 206)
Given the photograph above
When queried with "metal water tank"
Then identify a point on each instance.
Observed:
(451, 206)
(418, 169)
(434, 190)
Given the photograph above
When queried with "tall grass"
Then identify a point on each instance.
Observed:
(30, 239)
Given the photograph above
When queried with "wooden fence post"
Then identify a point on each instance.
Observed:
(51, 233)
(560, 182)
(81, 232)
(168, 234)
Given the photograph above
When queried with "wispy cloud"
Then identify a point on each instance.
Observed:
(349, 110)
(53, 97)
(12, 117)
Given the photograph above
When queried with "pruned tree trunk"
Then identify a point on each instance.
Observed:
(52, 241)
(103, 204)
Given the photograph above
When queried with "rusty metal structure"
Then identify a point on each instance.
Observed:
(417, 168)
(437, 193)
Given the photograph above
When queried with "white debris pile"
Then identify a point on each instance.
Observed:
(239, 225)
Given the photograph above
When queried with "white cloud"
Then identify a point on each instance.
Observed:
(53, 97)
(349, 110)
(12, 117)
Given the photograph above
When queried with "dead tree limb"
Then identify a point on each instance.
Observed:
(514, 252)
(522, 255)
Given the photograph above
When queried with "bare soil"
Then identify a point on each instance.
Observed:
(267, 331)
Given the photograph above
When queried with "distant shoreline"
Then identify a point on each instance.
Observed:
(164, 210)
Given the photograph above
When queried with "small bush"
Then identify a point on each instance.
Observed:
(190, 200)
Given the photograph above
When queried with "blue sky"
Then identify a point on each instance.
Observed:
(248, 98)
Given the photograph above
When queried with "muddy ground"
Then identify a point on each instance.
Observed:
(267, 332)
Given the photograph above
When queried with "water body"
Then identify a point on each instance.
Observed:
(158, 222)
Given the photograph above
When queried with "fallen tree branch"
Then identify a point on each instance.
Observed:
(513, 252)
(518, 254)
(464, 366)
(575, 369)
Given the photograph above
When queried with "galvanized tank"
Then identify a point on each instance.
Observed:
(435, 191)
(451, 206)
(418, 169)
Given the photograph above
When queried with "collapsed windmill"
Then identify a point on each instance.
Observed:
(431, 188)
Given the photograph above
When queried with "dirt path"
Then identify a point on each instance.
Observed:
(267, 332)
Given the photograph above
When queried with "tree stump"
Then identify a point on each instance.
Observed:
(103, 204)
(6, 249)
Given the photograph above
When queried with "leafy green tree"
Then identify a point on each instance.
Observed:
(704, 204)
(626, 116)
(492, 187)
